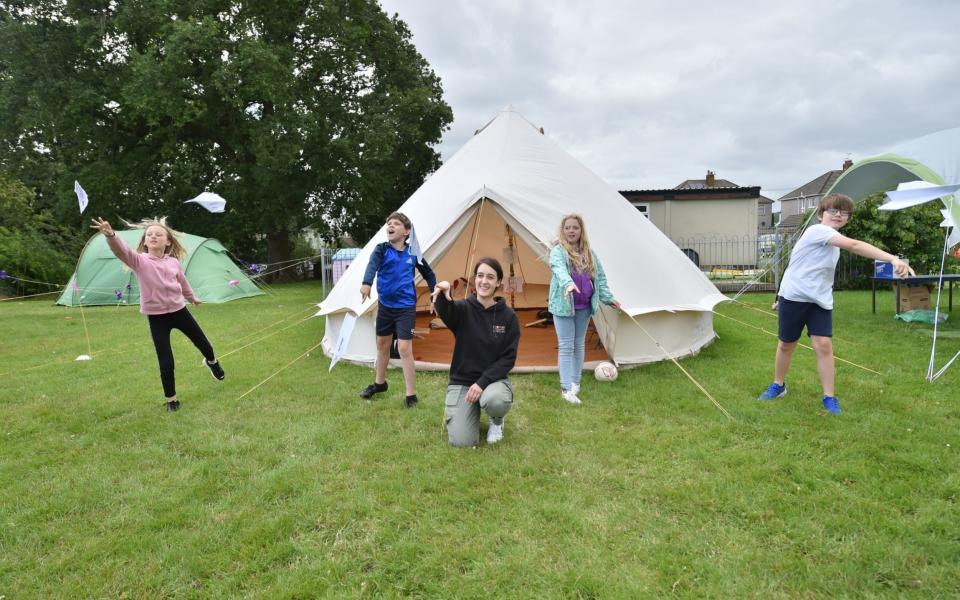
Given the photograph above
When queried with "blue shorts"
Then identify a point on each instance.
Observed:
(795, 315)
(399, 321)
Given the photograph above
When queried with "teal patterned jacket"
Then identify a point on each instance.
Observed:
(560, 269)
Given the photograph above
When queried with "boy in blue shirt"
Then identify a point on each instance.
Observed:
(393, 265)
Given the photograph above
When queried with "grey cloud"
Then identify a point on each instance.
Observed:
(648, 94)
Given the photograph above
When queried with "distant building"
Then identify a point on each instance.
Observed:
(796, 203)
(764, 215)
(701, 210)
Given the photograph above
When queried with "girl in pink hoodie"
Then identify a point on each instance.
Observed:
(163, 287)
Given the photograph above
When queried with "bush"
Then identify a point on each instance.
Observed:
(32, 247)
(914, 233)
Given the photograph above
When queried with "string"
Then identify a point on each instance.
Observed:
(265, 337)
(283, 368)
(689, 376)
(798, 343)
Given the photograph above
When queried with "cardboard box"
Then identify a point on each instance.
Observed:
(912, 297)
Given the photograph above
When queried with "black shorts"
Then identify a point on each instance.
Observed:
(396, 320)
(795, 315)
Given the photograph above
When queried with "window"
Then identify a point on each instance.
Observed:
(644, 209)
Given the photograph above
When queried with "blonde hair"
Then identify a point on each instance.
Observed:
(583, 260)
(174, 249)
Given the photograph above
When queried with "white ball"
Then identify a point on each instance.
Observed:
(605, 371)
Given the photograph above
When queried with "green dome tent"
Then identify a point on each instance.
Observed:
(100, 275)
(920, 170)
(933, 158)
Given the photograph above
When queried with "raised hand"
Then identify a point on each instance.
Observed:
(442, 286)
(103, 226)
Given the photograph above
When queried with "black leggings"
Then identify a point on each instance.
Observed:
(160, 328)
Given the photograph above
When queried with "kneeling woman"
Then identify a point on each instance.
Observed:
(487, 333)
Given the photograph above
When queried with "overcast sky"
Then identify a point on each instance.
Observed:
(648, 93)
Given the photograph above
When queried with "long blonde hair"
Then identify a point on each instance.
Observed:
(175, 249)
(583, 260)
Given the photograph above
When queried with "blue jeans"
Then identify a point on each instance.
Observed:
(571, 332)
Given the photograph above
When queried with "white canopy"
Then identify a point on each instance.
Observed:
(511, 179)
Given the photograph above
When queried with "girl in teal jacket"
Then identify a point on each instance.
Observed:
(577, 287)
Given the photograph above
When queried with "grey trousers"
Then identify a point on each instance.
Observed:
(463, 418)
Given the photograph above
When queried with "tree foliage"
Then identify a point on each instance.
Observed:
(299, 112)
(913, 233)
(34, 250)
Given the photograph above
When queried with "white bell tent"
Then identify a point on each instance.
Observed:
(503, 195)
(912, 173)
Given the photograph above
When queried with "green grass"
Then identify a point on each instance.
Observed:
(303, 490)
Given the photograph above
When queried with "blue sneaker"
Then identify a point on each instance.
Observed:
(831, 405)
(774, 391)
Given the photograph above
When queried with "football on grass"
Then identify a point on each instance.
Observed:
(605, 371)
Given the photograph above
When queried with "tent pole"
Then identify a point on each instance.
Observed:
(473, 243)
(510, 246)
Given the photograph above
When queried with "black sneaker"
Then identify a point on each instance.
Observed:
(173, 405)
(215, 370)
(411, 401)
(373, 388)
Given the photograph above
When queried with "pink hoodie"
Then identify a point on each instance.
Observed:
(163, 285)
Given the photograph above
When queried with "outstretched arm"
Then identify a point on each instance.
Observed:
(860, 248)
(116, 244)
(447, 309)
(560, 271)
(602, 288)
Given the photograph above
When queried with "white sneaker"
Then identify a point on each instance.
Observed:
(575, 388)
(571, 397)
(495, 433)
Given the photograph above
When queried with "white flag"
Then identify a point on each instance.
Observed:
(346, 330)
(415, 250)
(210, 201)
(81, 196)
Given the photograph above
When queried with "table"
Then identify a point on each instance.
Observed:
(947, 279)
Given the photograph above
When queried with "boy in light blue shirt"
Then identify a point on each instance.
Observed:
(805, 298)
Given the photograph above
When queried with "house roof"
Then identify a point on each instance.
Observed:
(764, 200)
(699, 184)
(816, 187)
(707, 193)
(791, 222)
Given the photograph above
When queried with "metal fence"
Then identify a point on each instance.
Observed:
(758, 262)
(754, 262)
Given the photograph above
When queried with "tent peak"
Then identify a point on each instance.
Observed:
(508, 112)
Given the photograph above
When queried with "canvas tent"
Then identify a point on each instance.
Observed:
(502, 195)
(100, 275)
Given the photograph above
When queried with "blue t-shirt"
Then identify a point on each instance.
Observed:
(394, 270)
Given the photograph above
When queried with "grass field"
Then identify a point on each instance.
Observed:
(300, 489)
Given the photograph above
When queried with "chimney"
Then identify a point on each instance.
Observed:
(847, 164)
(711, 179)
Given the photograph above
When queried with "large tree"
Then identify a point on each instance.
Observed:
(299, 112)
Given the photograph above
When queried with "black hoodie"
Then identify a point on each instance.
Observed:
(487, 339)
